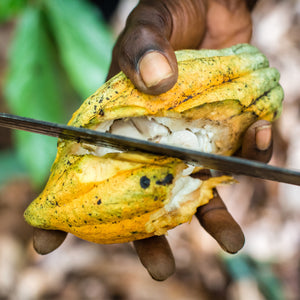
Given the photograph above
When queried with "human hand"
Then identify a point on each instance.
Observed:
(145, 53)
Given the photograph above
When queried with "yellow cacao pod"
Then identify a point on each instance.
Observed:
(110, 197)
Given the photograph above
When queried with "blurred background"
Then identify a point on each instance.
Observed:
(53, 54)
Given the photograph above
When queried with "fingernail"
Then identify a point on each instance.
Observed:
(263, 137)
(154, 68)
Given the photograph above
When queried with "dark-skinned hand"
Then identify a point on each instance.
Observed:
(144, 51)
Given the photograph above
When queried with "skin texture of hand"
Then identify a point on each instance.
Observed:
(145, 53)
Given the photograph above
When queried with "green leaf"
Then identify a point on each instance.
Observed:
(9, 8)
(244, 266)
(84, 42)
(11, 167)
(32, 90)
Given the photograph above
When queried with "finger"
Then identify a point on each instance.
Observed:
(46, 241)
(257, 142)
(145, 55)
(152, 66)
(156, 256)
(145, 49)
(218, 222)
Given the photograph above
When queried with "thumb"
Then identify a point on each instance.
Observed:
(143, 51)
(154, 29)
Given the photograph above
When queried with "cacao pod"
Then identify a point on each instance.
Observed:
(106, 196)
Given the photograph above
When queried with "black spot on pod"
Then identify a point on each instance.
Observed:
(99, 202)
(167, 180)
(144, 182)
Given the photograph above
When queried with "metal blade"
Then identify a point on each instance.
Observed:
(227, 164)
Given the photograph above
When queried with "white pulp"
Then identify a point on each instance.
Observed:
(178, 132)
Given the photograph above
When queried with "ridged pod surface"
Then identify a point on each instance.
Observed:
(121, 197)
